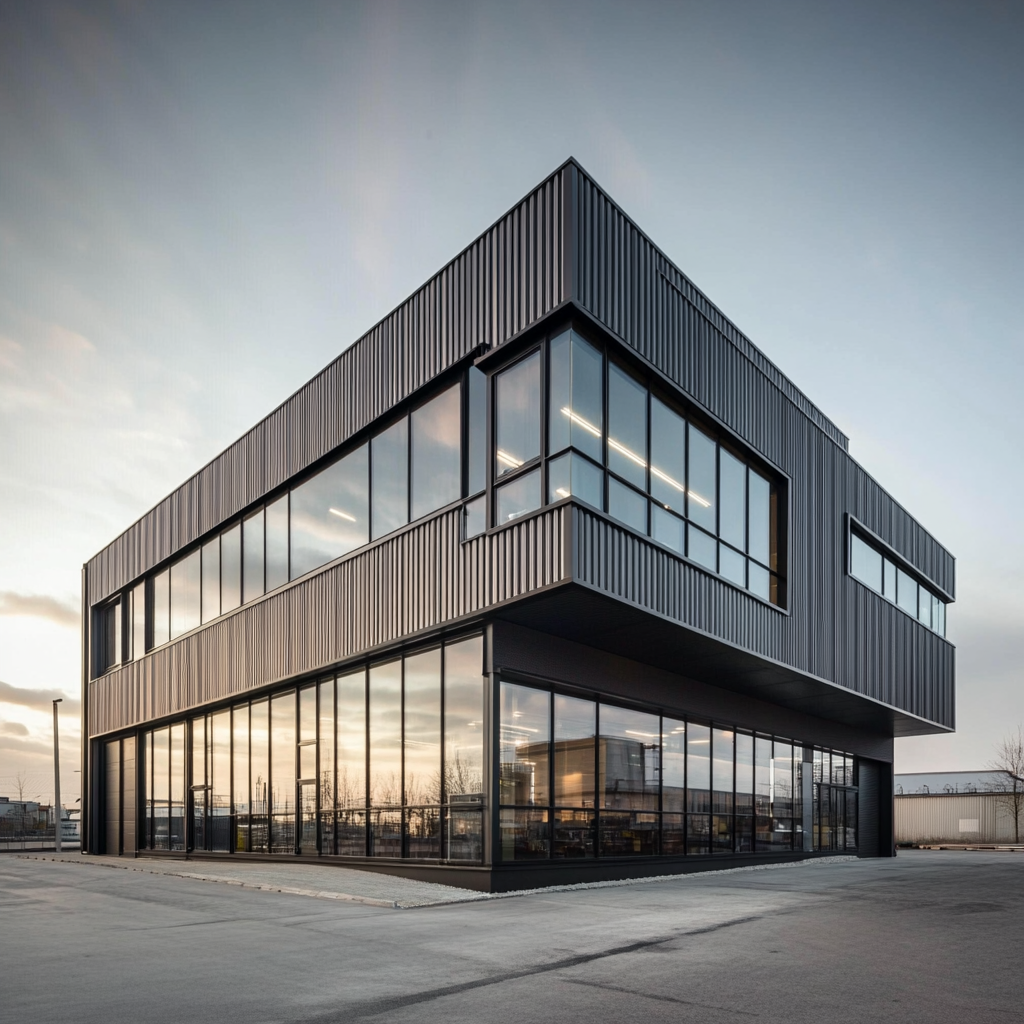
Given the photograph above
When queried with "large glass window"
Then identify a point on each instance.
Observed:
(866, 563)
(386, 735)
(185, 594)
(668, 456)
(252, 554)
(138, 621)
(259, 776)
(464, 722)
(277, 543)
(231, 568)
(210, 558)
(161, 607)
(517, 415)
(576, 407)
(220, 783)
(627, 427)
(571, 474)
(422, 739)
(476, 432)
(518, 497)
(329, 513)
(525, 745)
(702, 487)
(389, 472)
(282, 773)
(574, 734)
(240, 789)
(732, 500)
(436, 430)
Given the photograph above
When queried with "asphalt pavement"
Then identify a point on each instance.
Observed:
(932, 936)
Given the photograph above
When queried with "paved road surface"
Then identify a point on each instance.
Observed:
(929, 937)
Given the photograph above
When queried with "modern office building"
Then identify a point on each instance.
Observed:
(551, 575)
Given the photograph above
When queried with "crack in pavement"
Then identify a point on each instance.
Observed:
(661, 999)
(389, 1004)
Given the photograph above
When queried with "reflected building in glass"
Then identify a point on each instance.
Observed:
(551, 576)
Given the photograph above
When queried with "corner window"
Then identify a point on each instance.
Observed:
(436, 439)
(517, 415)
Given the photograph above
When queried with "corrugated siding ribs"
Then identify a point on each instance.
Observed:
(507, 279)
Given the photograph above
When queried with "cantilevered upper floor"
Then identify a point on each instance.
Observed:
(557, 429)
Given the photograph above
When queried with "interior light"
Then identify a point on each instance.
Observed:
(509, 460)
(561, 492)
(633, 732)
(629, 453)
(697, 498)
(664, 476)
(342, 515)
(580, 421)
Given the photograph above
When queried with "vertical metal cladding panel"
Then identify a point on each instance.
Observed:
(507, 279)
(414, 582)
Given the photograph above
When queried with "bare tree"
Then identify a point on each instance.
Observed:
(21, 781)
(1009, 761)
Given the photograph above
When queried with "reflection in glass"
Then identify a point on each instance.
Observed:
(762, 790)
(732, 500)
(888, 579)
(161, 607)
(389, 473)
(476, 432)
(732, 565)
(240, 788)
(325, 776)
(673, 835)
(744, 773)
(464, 722)
(759, 517)
(572, 834)
(178, 786)
(423, 832)
(211, 579)
(259, 776)
(385, 838)
(924, 610)
(422, 729)
(525, 834)
(698, 833)
(630, 834)
(571, 474)
(252, 555)
(698, 767)
(386, 735)
(575, 387)
(525, 744)
(307, 733)
(667, 529)
(161, 789)
(220, 795)
(722, 791)
(277, 543)
(282, 773)
(574, 729)
(758, 581)
(627, 505)
(185, 591)
(517, 415)
(329, 513)
(702, 480)
(627, 427)
(464, 837)
(518, 497)
(668, 456)
(673, 764)
(352, 740)
(866, 563)
(701, 548)
(138, 620)
(436, 430)
(629, 759)
(906, 592)
(475, 517)
(231, 568)
(352, 833)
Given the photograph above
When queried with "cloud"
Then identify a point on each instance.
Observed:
(38, 700)
(13, 728)
(39, 606)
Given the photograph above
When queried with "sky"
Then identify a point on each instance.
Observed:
(201, 205)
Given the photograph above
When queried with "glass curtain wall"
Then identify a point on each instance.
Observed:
(580, 779)
(381, 762)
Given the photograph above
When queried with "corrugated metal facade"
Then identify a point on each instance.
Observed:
(566, 243)
(937, 818)
(412, 583)
(506, 280)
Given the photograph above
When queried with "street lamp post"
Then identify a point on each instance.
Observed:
(56, 779)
